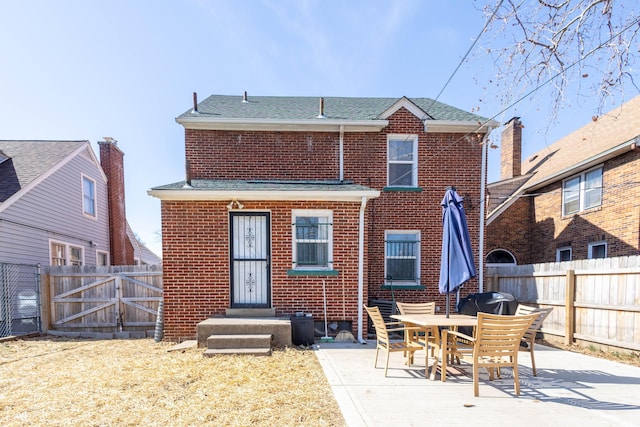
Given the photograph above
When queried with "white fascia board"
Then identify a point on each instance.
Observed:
(585, 164)
(256, 195)
(11, 200)
(311, 125)
(454, 126)
(408, 105)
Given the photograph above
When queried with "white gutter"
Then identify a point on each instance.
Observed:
(309, 125)
(342, 153)
(483, 185)
(240, 195)
(363, 206)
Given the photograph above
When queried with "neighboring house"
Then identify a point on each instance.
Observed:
(578, 198)
(291, 198)
(54, 204)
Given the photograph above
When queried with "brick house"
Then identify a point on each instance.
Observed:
(575, 199)
(285, 194)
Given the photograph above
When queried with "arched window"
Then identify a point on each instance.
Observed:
(501, 257)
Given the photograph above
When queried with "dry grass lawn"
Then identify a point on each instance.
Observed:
(55, 382)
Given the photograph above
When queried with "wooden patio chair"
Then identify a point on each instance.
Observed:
(530, 335)
(428, 337)
(496, 344)
(384, 342)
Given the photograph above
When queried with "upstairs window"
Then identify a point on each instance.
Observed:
(312, 239)
(402, 160)
(402, 257)
(582, 192)
(88, 196)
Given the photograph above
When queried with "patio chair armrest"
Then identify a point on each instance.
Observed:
(461, 335)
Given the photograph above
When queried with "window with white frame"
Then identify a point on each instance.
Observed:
(402, 160)
(66, 254)
(312, 239)
(88, 196)
(582, 192)
(402, 257)
(563, 254)
(597, 250)
(102, 258)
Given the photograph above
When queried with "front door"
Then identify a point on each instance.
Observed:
(250, 260)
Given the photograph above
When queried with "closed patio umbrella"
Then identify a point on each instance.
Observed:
(456, 264)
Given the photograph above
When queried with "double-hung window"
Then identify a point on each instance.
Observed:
(402, 160)
(65, 254)
(402, 257)
(88, 196)
(582, 192)
(312, 239)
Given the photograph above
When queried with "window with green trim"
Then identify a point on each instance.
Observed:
(312, 239)
(402, 257)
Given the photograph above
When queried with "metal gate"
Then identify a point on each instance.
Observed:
(19, 299)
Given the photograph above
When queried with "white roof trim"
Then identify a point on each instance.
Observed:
(309, 125)
(11, 200)
(409, 105)
(262, 195)
(454, 126)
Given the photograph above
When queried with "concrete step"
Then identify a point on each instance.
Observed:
(235, 341)
(278, 327)
(250, 312)
(227, 351)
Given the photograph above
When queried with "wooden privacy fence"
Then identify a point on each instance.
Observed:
(594, 301)
(103, 299)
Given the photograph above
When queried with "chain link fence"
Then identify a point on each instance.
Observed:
(19, 299)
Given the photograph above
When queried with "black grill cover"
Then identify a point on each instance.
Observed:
(487, 302)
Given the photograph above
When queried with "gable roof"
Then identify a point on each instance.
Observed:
(606, 137)
(29, 162)
(141, 251)
(359, 114)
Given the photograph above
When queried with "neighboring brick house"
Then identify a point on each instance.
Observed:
(285, 193)
(578, 198)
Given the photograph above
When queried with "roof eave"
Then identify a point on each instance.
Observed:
(455, 126)
(585, 164)
(309, 125)
(189, 194)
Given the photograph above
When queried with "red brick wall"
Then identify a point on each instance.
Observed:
(616, 221)
(196, 263)
(195, 234)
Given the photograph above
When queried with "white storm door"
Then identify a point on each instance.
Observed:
(250, 256)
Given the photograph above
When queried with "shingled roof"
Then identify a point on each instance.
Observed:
(26, 161)
(605, 137)
(307, 108)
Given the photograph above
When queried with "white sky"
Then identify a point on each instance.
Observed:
(125, 69)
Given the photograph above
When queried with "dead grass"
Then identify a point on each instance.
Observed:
(54, 382)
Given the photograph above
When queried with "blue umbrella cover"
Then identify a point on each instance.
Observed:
(456, 265)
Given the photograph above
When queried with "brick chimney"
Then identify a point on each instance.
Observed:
(511, 150)
(112, 161)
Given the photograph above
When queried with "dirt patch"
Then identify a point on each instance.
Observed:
(59, 381)
(629, 358)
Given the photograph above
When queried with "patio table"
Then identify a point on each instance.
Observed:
(440, 320)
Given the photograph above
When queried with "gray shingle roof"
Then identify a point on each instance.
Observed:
(28, 160)
(264, 185)
(306, 108)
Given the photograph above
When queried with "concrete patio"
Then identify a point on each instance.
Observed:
(570, 388)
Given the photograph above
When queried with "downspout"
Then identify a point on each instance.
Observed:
(483, 184)
(363, 206)
(341, 153)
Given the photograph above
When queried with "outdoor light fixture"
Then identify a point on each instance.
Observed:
(236, 203)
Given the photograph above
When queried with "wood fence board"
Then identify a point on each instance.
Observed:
(606, 296)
